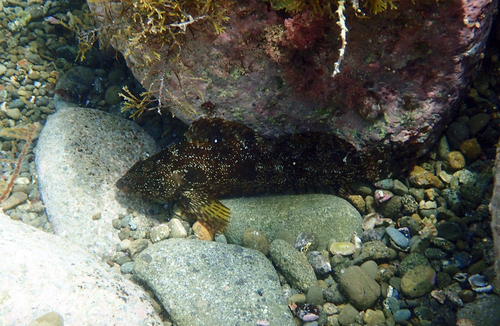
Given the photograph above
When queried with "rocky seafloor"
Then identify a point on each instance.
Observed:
(416, 250)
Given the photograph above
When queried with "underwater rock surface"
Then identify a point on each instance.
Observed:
(401, 76)
(80, 155)
(209, 283)
(326, 216)
(42, 273)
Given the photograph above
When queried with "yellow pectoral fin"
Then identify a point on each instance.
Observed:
(209, 210)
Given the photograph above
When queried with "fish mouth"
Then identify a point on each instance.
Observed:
(120, 184)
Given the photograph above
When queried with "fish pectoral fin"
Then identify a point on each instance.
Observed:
(204, 208)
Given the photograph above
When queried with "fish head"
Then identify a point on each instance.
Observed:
(154, 178)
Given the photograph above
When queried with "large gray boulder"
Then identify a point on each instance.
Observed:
(327, 216)
(80, 155)
(209, 283)
(42, 273)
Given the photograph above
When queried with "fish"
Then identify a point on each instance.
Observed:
(218, 158)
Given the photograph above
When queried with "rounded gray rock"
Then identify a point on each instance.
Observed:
(203, 283)
(293, 264)
(326, 216)
(361, 289)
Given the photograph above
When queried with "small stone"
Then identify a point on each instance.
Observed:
(457, 133)
(443, 175)
(358, 202)
(361, 289)
(449, 230)
(112, 95)
(443, 148)
(455, 161)
(348, 315)
(14, 114)
(96, 216)
(391, 208)
(125, 244)
(477, 122)
(421, 178)
(411, 261)
(435, 253)
(386, 184)
(293, 265)
(471, 149)
(49, 319)
(427, 204)
(138, 246)
(418, 281)
(202, 232)
(409, 205)
(318, 262)
(127, 268)
(306, 241)
(315, 295)
(15, 199)
(255, 239)
(35, 75)
(402, 315)
(370, 267)
(297, 298)
(177, 230)
(374, 317)
(399, 238)
(158, 233)
(330, 308)
(399, 188)
(117, 224)
(3, 69)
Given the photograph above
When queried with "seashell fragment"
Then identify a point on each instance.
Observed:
(480, 284)
(342, 248)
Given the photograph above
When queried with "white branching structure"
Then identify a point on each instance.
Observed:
(343, 35)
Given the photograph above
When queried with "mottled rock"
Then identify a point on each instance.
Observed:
(293, 264)
(361, 289)
(421, 178)
(411, 261)
(474, 311)
(223, 279)
(391, 208)
(255, 239)
(348, 315)
(315, 295)
(477, 123)
(50, 273)
(325, 216)
(374, 317)
(418, 281)
(455, 161)
(79, 156)
(471, 149)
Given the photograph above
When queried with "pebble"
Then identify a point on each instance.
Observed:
(455, 161)
(411, 261)
(456, 133)
(293, 264)
(255, 239)
(348, 315)
(399, 239)
(402, 315)
(319, 262)
(160, 232)
(138, 246)
(374, 317)
(202, 232)
(306, 241)
(14, 114)
(177, 230)
(370, 267)
(449, 231)
(421, 178)
(471, 149)
(125, 244)
(477, 123)
(49, 319)
(399, 188)
(127, 268)
(443, 147)
(315, 295)
(15, 199)
(391, 208)
(359, 287)
(330, 308)
(3, 69)
(386, 184)
(418, 281)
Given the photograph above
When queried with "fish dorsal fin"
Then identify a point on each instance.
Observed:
(204, 208)
(216, 130)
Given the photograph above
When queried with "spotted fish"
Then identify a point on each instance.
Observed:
(218, 159)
